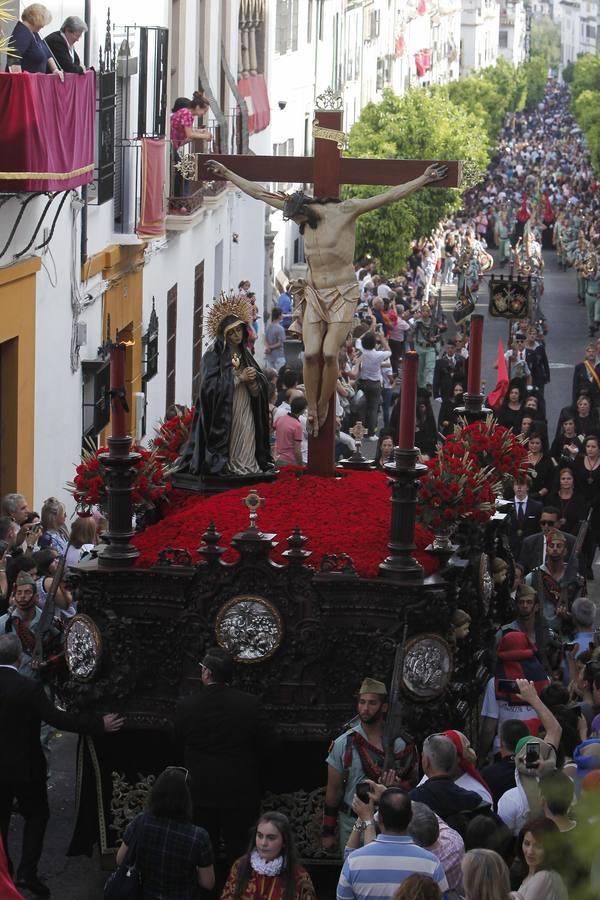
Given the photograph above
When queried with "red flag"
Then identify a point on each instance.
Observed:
(496, 396)
(419, 64)
(523, 215)
(421, 7)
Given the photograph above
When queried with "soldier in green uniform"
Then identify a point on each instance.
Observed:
(592, 297)
(579, 259)
(357, 755)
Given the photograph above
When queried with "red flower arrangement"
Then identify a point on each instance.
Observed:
(454, 489)
(89, 485)
(348, 515)
(491, 447)
(171, 435)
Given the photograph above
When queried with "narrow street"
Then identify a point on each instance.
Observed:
(82, 878)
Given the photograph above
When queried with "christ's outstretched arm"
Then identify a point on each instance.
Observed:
(432, 173)
(248, 187)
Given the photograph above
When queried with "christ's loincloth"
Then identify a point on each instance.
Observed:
(333, 306)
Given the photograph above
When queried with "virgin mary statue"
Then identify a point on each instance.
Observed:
(230, 428)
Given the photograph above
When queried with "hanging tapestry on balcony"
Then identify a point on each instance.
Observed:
(152, 205)
(48, 131)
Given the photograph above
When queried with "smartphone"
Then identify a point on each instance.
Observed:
(569, 646)
(363, 789)
(508, 686)
(532, 755)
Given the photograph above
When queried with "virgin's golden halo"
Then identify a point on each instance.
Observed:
(227, 305)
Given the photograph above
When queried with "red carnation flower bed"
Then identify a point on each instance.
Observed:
(346, 515)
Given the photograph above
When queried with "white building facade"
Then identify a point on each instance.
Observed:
(61, 298)
(513, 39)
(579, 22)
(480, 26)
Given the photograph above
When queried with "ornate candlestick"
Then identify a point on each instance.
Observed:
(404, 472)
(474, 410)
(119, 463)
(253, 503)
(357, 460)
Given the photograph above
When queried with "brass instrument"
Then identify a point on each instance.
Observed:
(590, 262)
(464, 258)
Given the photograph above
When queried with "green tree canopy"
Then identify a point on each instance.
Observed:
(586, 74)
(419, 125)
(585, 90)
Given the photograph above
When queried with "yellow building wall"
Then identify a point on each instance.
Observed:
(17, 376)
(123, 302)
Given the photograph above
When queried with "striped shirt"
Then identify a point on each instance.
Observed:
(376, 871)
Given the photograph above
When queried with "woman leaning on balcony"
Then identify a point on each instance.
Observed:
(30, 51)
(182, 130)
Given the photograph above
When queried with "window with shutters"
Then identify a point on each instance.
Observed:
(171, 345)
(197, 327)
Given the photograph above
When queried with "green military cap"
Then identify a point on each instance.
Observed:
(24, 578)
(371, 686)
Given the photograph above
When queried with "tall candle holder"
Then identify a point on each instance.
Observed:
(119, 463)
(404, 472)
(474, 410)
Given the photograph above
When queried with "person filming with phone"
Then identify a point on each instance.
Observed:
(534, 757)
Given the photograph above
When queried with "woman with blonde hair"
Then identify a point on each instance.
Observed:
(53, 522)
(30, 51)
(485, 876)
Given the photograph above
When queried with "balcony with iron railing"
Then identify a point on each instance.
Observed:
(185, 201)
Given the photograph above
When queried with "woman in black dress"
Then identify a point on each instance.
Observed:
(587, 482)
(586, 418)
(448, 415)
(511, 410)
(541, 468)
(567, 445)
(570, 504)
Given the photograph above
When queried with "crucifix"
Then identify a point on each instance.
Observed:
(326, 301)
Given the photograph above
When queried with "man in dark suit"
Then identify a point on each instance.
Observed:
(533, 548)
(23, 708)
(62, 44)
(224, 735)
(449, 369)
(586, 377)
(523, 516)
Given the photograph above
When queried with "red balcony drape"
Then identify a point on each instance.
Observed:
(48, 131)
(152, 206)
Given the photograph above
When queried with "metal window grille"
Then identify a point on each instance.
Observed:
(171, 345)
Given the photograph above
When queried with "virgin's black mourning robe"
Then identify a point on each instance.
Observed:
(206, 451)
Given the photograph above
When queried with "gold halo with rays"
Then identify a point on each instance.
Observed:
(227, 305)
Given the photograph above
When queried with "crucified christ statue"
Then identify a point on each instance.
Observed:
(328, 297)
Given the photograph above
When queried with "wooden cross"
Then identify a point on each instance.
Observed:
(327, 170)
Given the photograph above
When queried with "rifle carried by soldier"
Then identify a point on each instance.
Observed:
(393, 727)
(47, 617)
